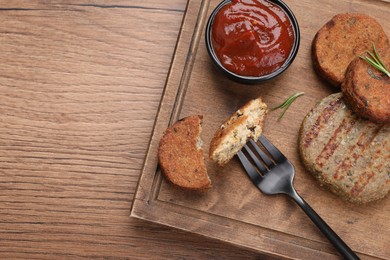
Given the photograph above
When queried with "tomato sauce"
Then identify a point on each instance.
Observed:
(252, 37)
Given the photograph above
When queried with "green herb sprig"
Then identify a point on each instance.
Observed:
(287, 103)
(374, 60)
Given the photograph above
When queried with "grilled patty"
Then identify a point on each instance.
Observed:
(340, 40)
(181, 156)
(367, 90)
(346, 153)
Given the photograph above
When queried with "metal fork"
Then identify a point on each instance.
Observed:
(273, 174)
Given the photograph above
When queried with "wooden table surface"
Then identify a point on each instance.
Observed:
(80, 85)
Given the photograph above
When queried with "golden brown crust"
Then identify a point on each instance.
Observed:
(367, 90)
(340, 40)
(181, 157)
(346, 154)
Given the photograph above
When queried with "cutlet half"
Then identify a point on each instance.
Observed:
(235, 132)
(181, 156)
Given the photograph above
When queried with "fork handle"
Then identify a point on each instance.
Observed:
(337, 242)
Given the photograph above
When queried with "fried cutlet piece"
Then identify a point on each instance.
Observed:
(346, 153)
(367, 90)
(340, 40)
(181, 156)
(233, 134)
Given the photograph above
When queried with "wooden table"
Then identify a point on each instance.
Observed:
(80, 85)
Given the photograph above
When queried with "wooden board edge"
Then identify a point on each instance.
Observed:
(168, 103)
(267, 242)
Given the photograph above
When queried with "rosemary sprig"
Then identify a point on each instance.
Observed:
(374, 60)
(287, 103)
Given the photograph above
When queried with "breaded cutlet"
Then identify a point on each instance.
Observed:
(340, 40)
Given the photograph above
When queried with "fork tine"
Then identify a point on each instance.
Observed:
(262, 155)
(250, 169)
(274, 152)
(256, 160)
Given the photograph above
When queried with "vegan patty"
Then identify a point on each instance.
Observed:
(346, 153)
(234, 133)
(367, 90)
(340, 40)
(181, 156)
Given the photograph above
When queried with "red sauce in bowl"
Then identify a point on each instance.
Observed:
(252, 37)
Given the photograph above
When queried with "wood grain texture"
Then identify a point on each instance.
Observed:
(80, 86)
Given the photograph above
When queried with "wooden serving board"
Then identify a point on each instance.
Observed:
(234, 210)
